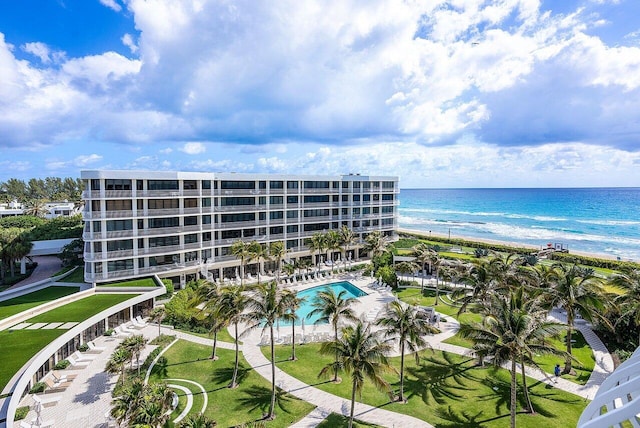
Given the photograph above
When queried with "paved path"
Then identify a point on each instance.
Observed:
(47, 266)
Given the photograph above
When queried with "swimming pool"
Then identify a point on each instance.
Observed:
(310, 293)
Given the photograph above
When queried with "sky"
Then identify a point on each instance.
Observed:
(458, 93)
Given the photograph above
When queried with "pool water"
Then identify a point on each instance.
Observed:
(309, 295)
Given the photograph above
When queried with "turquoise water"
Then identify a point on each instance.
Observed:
(309, 295)
(594, 220)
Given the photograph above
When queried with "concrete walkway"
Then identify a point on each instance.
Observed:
(47, 266)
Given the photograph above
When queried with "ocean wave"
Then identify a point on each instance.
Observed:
(610, 222)
(483, 214)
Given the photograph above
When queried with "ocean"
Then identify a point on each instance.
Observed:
(592, 220)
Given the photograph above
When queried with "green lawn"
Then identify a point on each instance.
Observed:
(446, 390)
(18, 346)
(81, 309)
(229, 407)
(223, 335)
(335, 420)
(31, 300)
(76, 277)
(142, 282)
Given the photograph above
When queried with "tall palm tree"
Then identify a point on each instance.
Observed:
(257, 253)
(211, 312)
(266, 306)
(333, 308)
(118, 361)
(376, 244)
(292, 303)
(277, 252)
(135, 344)
(509, 332)
(423, 256)
(289, 269)
(578, 292)
(157, 315)
(362, 355)
(333, 244)
(347, 239)
(408, 267)
(406, 324)
(629, 301)
(232, 303)
(434, 262)
(36, 208)
(317, 244)
(241, 250)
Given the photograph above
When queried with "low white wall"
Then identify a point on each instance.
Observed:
(34, 286)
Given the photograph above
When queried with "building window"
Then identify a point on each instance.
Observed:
(292, 199)
(206, 219)
(292, 184)
(292, 228)
(276, 215)
(163, 204)
(226, 202)
(316, 213)
(276, 200)
(206, 202)
(276, 230)
(118, 265)
(155, 223)
(113, 225)
(387, 197)
(276, 184)
(163, 184)
(206, 184)
(191, 238)
(292, 214)
(119, 245)
(117, 184)
(230, 218)
(191, 221)
(191, 203)
(95, 184)
(237, 184)
(316, 184)
(164, 241)
(316, 199)
(119, 205)
(190, 185)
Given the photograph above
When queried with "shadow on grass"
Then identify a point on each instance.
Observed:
(259, 398)
(223, 375)
(335, 420)
(439, 380)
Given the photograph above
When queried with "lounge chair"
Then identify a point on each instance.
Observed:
(79, 356)
(46, 402)
(76, 365)
(63, 377)
(55, 387)
(120, 331)
(140, 320)
(92, 347)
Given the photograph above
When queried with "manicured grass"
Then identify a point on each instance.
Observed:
(445, 390)
(580, 350)
(82, 309)
(18, 346)
(413, 296)
(228, 407)
(335, 420)
(77, 277)
(31, 300)
(223, 335)
(142, 282)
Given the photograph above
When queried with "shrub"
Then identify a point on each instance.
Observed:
(152, 356)
(21, 413)
(38, 388)
(61, 365)
(162, 340)
(83, 348)
(109, 332)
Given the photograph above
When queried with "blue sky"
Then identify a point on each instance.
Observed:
(460, 93)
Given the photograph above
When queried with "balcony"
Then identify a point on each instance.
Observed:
(239, 192)
(239, 208)
(107, 214)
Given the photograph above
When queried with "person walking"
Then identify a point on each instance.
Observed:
(556, 371)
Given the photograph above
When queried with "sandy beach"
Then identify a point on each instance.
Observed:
(427, 234)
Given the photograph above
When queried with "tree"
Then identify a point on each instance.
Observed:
(511, 332)
(406, 324)
(408, 267)
(578, 292)
(257, 253)
(233, 302)
(36, 208)
(71, 254)
(134, 345)
(140, 405)
(292, 303)
(629, 301)
(376, 244)
(157, 315)
(117, 362)
(333, 244)
(14, 245)
(360, 354)
(333, 308)
(347, 239)
(212, 312)
(277, 253)
(434, 262)
(423, 256)
(242, 251)
(317, 244)
(266, 306)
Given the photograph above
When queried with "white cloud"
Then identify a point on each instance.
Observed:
(38, 49)
(85, 160)
(166, 151)
(128, 41)
(111, 4)
(193, 148)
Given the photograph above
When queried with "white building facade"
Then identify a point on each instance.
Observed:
(174, 224)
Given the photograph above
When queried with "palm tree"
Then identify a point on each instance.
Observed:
(154, 407)
(128, 400)
(347, 239)
(197, 421)
(376, 244)
(317, 244)
(333, 308)
(135, 344)
(157, 315)
(292, 303)
(212, 312)
(277, 253)
(408, 267)
(257, 253)
(434, 262)
(232, 303)
(118, 361)
(333, 244)
(36, 208)
(242, 251)
(510, 332)
(629, 301)
(266, 306)
(289, 269)
(423, 256)
(578, 292)
(406, 324)
(360, 354)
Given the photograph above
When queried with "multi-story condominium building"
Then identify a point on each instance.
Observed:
(175, 224)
